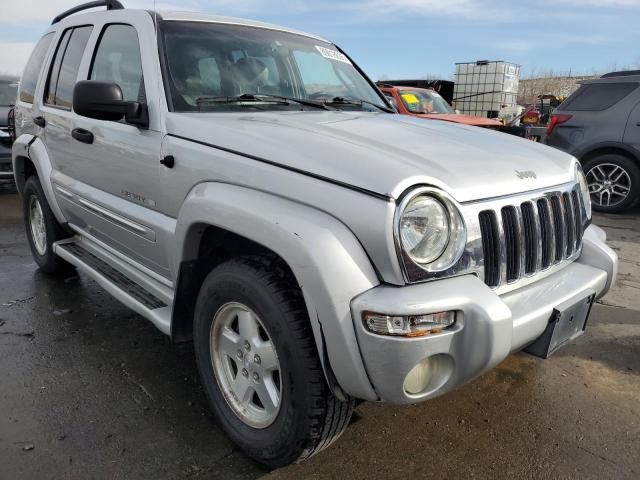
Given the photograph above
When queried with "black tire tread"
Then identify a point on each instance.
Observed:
(330, 417)
(50, 262)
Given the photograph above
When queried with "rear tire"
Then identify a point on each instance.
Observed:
(43, 230)
(308, 417)
(614, 182)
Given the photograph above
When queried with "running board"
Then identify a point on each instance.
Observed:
(100, 265)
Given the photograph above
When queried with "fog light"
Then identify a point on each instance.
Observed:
(419, 377)
(408, 325)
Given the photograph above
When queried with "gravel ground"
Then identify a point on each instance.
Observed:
(90, 390)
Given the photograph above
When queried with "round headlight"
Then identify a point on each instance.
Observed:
(431, 230)
(584, 189)
(424, 229)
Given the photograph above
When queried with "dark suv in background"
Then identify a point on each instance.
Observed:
(600, 125)
(8, 93)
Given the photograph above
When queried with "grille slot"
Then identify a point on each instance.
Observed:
(558, 228)
(512, 242)
(546, 232)
(577, 216)
(490, 247)
(569, 223)
(530, 237)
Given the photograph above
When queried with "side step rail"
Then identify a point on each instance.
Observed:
(99, 264)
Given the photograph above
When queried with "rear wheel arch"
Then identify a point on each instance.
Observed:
(32, 159)
(609, 149)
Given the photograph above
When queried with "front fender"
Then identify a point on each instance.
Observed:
(31, 147)
(327, 260)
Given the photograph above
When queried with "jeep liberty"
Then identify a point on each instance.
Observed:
(247, 187)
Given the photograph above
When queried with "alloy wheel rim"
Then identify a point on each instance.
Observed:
(246, 365)
(609, 184)
(38, 228)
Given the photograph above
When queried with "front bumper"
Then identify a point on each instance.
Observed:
(488, 327)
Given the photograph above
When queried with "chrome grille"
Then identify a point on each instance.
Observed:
(490, 247)
(531, 236)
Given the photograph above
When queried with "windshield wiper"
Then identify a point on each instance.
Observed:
(245, 97)
(301, 101)
(259, 97)
(356, 101)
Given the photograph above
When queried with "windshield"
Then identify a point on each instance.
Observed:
(425, 101)
(8, 93)
(207, 62)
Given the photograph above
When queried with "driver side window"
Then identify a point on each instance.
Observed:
(117, 59)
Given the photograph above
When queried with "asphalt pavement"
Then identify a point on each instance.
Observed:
(89, 389)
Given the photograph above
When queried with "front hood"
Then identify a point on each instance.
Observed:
(384, 153)
(462, 118)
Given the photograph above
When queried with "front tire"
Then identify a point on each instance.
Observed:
(43, 230)
(259, 365)
(614, 182)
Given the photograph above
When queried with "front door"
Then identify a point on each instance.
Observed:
(114, 166)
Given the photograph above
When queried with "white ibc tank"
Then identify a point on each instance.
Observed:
(484, 87)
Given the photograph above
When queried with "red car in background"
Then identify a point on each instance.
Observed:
(427, 103)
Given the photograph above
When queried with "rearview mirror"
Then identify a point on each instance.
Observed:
(103, 101)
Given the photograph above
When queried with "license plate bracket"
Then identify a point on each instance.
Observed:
(565, 325)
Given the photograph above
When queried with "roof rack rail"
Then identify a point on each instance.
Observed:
(622, 73)
(110, 4)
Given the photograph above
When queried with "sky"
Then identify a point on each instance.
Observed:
(406, 38)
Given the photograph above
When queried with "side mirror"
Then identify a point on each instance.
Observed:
(103, 101)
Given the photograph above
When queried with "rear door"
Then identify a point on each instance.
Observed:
(632, 132)
(57, 96)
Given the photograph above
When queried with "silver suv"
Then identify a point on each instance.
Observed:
(247, 187)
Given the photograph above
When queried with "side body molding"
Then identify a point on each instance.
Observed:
(328, 262)
(31, 147)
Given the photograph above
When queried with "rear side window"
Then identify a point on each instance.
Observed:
(597, 96)
(32, 70)
(64, 70)
(117, 59)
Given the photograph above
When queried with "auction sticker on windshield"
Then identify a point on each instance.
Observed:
(333, 54)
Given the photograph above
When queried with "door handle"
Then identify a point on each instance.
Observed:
(82, 135)
(40, 121)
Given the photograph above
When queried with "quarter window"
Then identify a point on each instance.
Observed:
(64, 71)
(117, 60)
(33, 68)
(598, 96)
